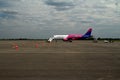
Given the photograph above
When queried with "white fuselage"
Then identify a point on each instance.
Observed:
(60, 36)
(57, 37)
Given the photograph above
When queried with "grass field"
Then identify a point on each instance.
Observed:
(79, 60)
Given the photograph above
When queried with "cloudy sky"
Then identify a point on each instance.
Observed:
(43, 18)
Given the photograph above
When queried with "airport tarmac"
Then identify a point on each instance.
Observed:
(79, 60)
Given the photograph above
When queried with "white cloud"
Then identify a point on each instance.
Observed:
(60, 5)
(61, 16)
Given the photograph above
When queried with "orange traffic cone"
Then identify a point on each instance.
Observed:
(36, 45)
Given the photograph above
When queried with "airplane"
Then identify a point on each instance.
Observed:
(71, 37)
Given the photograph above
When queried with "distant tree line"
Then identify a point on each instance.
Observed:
(99, 38)
(22, 39)
(91, 38)
(108, 38)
